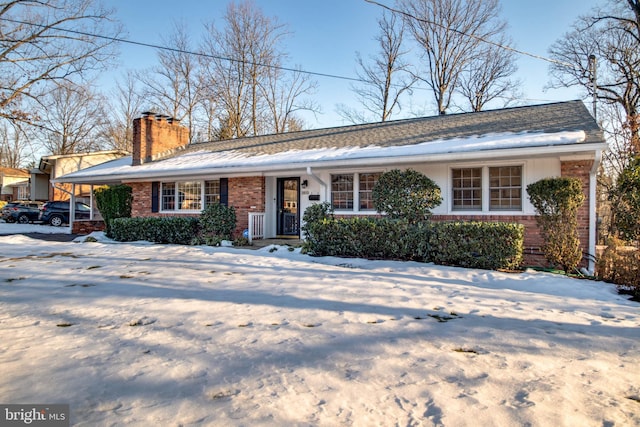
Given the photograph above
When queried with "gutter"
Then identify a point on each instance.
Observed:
(260, 169)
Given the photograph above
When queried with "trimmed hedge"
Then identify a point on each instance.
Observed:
(177, 230)
(482, 245)
(486, 245)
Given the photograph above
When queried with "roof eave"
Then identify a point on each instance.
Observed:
(527, 152)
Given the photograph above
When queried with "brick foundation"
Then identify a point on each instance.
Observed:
(82, 227)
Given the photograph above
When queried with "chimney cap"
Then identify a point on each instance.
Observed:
(146, 114)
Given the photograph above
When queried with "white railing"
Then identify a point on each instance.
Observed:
(256, 226)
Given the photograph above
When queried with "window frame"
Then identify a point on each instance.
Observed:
(502, 187)
(170, 195)
(486, 189)
(355, 192)
(473, 189)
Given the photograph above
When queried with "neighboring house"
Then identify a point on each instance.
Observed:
(14, 184)
(482, 161)
(54, 166)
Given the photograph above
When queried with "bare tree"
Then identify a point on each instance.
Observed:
(243, 72)
(243, 53)
(284, 96)
(72, 119)
(451, 34)
(125, 104)
(49, 42)
(173, 86)
(487, 77)
(13, 145)
(386, 75)
(603, 52)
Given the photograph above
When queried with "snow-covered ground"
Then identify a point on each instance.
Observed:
(15, 228)
(141, 334)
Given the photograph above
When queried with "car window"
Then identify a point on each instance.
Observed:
(82, 207)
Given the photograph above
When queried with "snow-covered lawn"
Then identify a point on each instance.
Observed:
(151, 335)
(15, 228)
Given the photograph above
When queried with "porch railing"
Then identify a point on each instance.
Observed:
(256, 226)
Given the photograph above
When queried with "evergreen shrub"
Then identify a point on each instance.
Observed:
(407, 195)
(465, 244)
(557, 201)
(217, 221)
(113, 202)
(485, 245)
(174, 230)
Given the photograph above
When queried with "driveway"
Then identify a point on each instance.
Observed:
(38, 231)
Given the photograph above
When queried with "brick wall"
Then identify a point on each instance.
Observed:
(83, 227)
(153, 135)
(581, 169)
(246, 195)
(141, 203)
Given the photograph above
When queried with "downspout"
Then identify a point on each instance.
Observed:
(593, 215)
(317, 179)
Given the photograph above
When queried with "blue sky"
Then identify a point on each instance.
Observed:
(325, 34)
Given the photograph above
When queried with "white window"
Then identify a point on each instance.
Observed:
(467, 189)
(189, 195)
(342, 192)
(353, 192)
(365, 191)
(501, 186)
(505, 188)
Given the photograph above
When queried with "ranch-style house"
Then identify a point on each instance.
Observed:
(482, 161)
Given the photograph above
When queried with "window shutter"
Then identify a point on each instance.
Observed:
(224, 191)
(155, 190)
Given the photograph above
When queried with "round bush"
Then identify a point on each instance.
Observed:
(406, 195)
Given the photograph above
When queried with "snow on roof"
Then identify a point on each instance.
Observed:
(237, 161)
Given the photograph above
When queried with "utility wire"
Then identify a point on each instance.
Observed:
(277, 67)
(171, 49)
(482, 39)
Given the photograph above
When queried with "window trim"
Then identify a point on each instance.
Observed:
(486, 189)
(355, 192)
(453, 189)
(176, 195)
(501, 187)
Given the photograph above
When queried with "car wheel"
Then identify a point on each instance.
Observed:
(10, 220)
(55, 220)
(23, 219)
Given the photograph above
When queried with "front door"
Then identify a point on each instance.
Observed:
(288, 198)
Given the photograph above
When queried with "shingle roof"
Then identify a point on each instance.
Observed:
(547, 118)
(565, 127)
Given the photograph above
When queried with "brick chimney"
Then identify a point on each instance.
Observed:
(154, 134)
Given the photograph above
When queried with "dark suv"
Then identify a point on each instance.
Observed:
(57, 213)
(22, 212)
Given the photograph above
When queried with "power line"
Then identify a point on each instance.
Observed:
(482, 39)
(183, 51)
